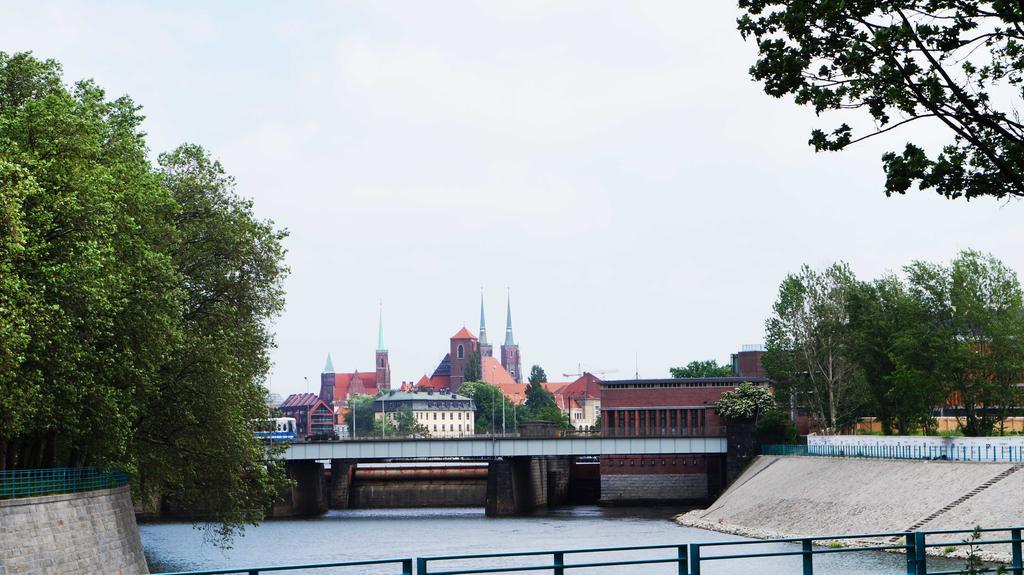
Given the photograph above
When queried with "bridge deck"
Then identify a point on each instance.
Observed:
(490, 448)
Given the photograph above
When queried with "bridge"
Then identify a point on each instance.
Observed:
(488, 448)
(513, 475)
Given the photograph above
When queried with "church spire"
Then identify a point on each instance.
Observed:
(483, 324)
(329, 366)
(508, 321)
(380, 328)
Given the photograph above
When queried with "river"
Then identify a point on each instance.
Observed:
(388, 533)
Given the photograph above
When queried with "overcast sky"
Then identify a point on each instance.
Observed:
(612, 163)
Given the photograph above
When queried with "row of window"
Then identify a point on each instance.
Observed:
(421, 415)
(656, 419)
(451, 427)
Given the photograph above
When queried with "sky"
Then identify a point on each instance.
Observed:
(611, 164)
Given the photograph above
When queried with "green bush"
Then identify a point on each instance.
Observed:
(775, 427)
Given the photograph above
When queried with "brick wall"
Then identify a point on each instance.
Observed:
(92, 532)
(654, 487)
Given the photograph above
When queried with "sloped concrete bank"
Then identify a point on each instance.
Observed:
(804, 496)
(90, 532)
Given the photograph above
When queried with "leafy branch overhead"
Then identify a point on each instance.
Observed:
(957, 63)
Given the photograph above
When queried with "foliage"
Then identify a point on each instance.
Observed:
(747, 403)
(808, 344)
(956, 63)
(359, 414)
(975, 315)
(974, 564)
(705, 368)
(473, 370)
(537, 398)
(893, 345)
(774, 427)
(537, 375)
(134, 302)
(490, 401)
(400, 423)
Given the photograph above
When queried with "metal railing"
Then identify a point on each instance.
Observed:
(976, 453)
(36, 482)
(406, 564)
(689, 558)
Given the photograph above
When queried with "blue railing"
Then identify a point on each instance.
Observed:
(35, 482)
(406, 567)
(988, 453)
(689, 558)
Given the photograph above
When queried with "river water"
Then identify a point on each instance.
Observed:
(390, 533)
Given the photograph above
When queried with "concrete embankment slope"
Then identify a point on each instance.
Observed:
(802, 496)
(90, 532)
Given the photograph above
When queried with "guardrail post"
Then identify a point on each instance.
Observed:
(808, 555)
(421, 566)
(407, 567)
(911, 556)
(559, 563)
(694, 554)
(681, 564)
(920, 558)
(1016, 561)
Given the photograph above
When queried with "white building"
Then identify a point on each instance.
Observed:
(441, 414)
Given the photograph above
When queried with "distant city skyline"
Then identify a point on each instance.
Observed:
(612, 162)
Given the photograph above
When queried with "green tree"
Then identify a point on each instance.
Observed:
(537, 375)
(775, 427)
(895, 351)
(359, 415)
(706, 368)
(142, 296)
(976, 315)
(957, 64)
(406, 424)
(807, 347)
(473, 370)
(489, 401)
(747, 403)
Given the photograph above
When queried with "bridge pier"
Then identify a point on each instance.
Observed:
(306, 497)
(342, 470)
(521, 484)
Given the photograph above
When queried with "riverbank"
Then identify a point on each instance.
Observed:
(781, 497)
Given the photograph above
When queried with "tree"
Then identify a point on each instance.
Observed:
(895, 350)
(747, 403)
(473, 370)
(775, 427)
(807, 347)
(957, 63)
(359, 414)
(706, 368)
(537, 375)
(975, 311)
(142, 298)
(489, 402)
(406, 424)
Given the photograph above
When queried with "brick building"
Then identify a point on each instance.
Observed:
(336, 388)
(669, 407)
(313, 417)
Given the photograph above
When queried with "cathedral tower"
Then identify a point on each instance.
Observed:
(509, 350)
(382, 363)
(486, 349)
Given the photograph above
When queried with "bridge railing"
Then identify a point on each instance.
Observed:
(405, 563)
(690, 558)
(38, 482)
(976, 453)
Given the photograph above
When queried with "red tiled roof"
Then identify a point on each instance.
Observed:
(300, 400)
(515, 392)
(586, 386)
(463, 334)
(495, 374)
(356, 383)
(436, 382)
(555, 386)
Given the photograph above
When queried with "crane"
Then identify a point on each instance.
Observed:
(580, 371)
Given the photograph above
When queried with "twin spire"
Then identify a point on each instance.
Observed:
(509, 340)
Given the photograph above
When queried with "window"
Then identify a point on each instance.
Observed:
(435, 427)
(435, 419)
(460, 352)
(442, 416)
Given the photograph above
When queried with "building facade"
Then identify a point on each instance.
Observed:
(336, 388)
(313, 416)
(441, 415)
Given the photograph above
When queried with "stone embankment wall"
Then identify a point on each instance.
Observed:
(90, 532)
(802, 496)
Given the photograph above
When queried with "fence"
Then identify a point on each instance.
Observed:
(34, 482)
(977, 453)
(690, 557)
